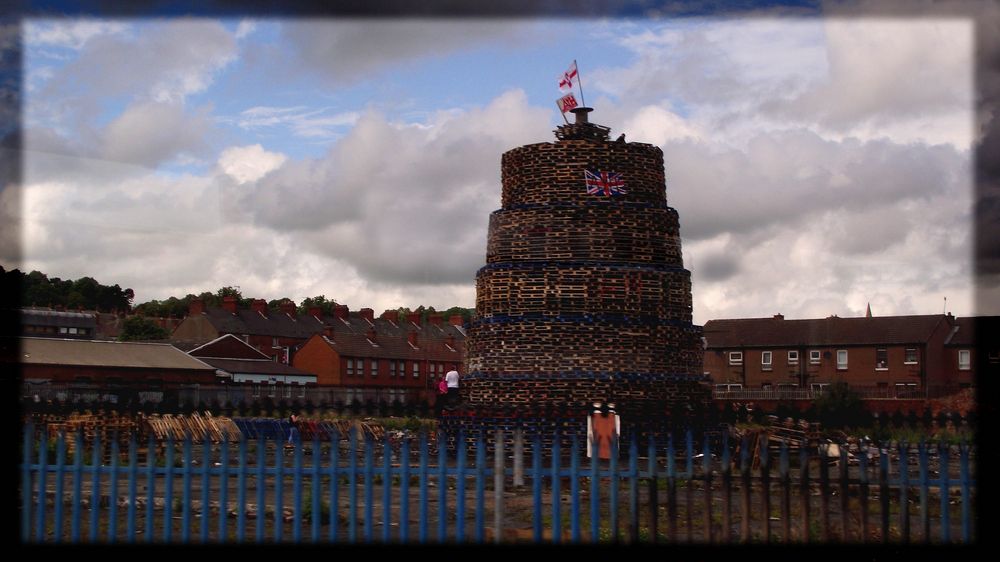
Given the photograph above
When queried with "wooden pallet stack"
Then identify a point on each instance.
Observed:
(202, 429)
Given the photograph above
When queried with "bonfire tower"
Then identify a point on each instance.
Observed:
(584, 296)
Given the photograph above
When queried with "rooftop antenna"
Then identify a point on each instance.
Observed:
(944, 310)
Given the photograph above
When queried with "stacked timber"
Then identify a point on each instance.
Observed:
(201, 429)
(584, 296)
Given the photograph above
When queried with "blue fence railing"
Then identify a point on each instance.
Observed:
(351, 489)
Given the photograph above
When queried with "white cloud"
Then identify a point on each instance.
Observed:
(150, 133)
(249, 163)
(301, 121)
(69, 33)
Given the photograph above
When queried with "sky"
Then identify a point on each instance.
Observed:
(818, 164)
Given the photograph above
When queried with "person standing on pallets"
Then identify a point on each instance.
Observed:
(451, 380)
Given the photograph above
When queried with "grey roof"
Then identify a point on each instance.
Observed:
(885, 330)
(51, 351)
(49, 317)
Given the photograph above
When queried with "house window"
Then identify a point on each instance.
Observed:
(401, 368)
(814, 357)
(374, 363)
(392, 369)
(271, 390)
(818, 387)
(256, 390)
(361, 367)
(841, 359)
(766, 387)
(288, 391)
(735, 357)
(911, 356)
(906, 390)
(416, 369)
(765, 360)
(350, 367)
(881, 359)
(964, 359)
(793, 357)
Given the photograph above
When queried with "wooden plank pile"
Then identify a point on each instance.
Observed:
(107, 427)
(202, 429)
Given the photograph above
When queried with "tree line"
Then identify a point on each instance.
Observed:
(37, 289)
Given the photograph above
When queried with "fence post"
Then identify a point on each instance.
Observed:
(60, 461)
(206, 466)
(168, 490)
(966, 496)
(765, 476)
(672, 489)
(536, 485)
(113, 492)
(904, 482)
(944, 469)
(574, 491)
(633, 490)
(518, 457)
(480, 487)
(786, 494)
(706, 464)
(29, 436)
(442, 488)
(844, 485)
(556, 491)
(386, 490)
(804, 491)
(498, 481)
(863, 466)
(404, 491)
(883, 490)
(614, 480)
(652, 484)
(688, 488)
(745, 491)
(727, 476)
(78, 494)
(43, 477)
(150, 487)
(824, 491)
(595, 513)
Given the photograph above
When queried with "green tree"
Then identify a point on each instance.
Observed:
(140, 328)
(839, 407)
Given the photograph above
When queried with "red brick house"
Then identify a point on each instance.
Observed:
(245, 365)
(392, 355)
(904, 354)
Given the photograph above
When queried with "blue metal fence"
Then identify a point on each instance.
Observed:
(351, 489)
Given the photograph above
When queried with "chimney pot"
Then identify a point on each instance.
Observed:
(288, 307)
(414, 317)
(391, 316)
(435, 319)
(259, 305)
(229, 303)
(412, 338)
(581, 114)
(779, 316)
(341, 311)
(370, 334)
(368, 314)
(196, 306)
(456, 320)
(315, 311)
(328, 331)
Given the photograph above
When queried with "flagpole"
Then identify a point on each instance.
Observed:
(562, 112)
(579, 81)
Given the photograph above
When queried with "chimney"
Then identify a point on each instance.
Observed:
(328, 331)
(341, 311)
(456, 320)
(391, 316)
(315, 312)
(259, 305)
(581, 115)
(368, 314)
(288, 307)
(435, 319)
(450, 340)
(196, 306)
(414, 317)
(370, 334)
(229, 303)
(412, 338)
(779, 316)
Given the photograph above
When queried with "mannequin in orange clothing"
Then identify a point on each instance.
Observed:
(604, 427)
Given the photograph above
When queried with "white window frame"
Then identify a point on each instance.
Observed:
(916, 356)
(374, 369)
(350, 367)
(735, 357)
(793, 357)
(815, 356)
(818, 386)
(842, 366)
(769, 364)
(255, 390)
(288, 390)
(967, 364)
(302, 391)
(271, 390)
(392, 369)
(416, 369)
(885, 367)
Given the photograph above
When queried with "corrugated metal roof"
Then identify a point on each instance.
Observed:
(776, 332)
(47, 317)
(49, 351)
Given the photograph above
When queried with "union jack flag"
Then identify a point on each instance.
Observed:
(604, 183)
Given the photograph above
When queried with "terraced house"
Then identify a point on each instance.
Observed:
(918, 356)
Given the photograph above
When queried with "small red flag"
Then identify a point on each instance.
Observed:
(566, 103)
